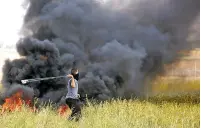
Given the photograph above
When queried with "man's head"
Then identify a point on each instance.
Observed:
(75, 73)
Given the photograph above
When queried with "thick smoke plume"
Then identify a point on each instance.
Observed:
(118, 45)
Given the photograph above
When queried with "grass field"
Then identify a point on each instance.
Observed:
(178, 111)
(116, 114)
(164, 85)
(157, 112)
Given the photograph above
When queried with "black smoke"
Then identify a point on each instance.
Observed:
(117, 45)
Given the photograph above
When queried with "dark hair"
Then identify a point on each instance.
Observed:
(73, 70)
(76, 76)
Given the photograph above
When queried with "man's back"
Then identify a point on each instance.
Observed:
(72, 91)
(72, 99)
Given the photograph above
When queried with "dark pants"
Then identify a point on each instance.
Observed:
(74, 105)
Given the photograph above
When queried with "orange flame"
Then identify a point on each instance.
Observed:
(15, 102)
(64, 110)
(42, 57)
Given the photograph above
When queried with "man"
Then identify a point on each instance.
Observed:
(72, 98)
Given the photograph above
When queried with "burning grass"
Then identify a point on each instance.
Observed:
(117, 113)
(159, 111)
(15, 102)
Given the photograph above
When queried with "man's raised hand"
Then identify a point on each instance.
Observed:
(70, 76)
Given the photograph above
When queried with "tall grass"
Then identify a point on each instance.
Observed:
(113, 114)
(164, 85)
(180, 111)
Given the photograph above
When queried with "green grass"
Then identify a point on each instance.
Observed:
(113, 114)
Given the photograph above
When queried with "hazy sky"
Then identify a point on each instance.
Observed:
(11, 13)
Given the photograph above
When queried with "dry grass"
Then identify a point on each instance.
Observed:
(164, 85)
(180, 111)
(113, 114)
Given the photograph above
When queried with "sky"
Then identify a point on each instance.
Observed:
(11, 19)
(11, 14)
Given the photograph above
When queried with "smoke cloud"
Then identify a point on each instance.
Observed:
(116, 44)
